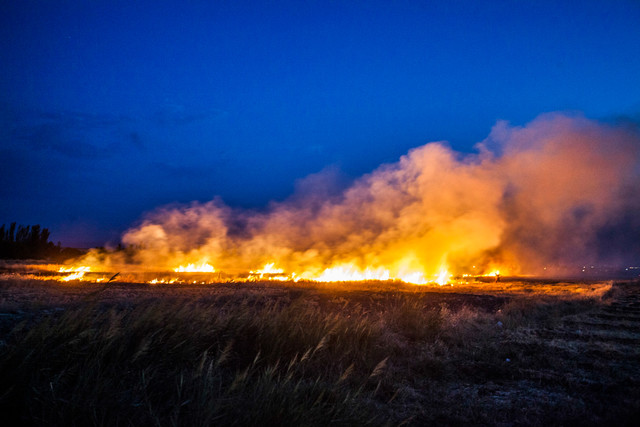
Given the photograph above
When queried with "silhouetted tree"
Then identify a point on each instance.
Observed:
(31, 242)
(12, 231)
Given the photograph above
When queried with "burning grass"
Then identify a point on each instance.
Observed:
(373, 353)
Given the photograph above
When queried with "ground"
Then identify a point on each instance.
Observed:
(514, 353)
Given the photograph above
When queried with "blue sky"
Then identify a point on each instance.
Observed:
(109, 109)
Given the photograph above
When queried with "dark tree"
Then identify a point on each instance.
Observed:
(31, 242)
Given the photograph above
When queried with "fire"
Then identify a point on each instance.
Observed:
(345, 272)
(268, 269)
(341, 272)
(77, 273)
(443, 277)
(270, 272)
(162, 281)
(530, 196)
(75, 276)
(202, 267)
(83, 269)
(416, 278)
(350, 273)
(496, 272)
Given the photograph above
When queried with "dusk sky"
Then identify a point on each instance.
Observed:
(109, 109)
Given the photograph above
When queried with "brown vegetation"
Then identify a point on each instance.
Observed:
(127, 354)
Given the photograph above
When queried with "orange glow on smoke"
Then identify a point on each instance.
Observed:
(529, 197)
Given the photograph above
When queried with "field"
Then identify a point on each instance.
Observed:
(516, 353)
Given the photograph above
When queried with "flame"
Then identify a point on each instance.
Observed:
(270, 272)
(268, 269)
(77, 273)
(343, 272)
(350, 273)
(443, 276)
(415, 278)
(75, 276)
(162, 281)
(83, 269)
(202, 267)
(495, 271)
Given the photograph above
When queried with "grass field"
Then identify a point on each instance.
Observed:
(517, 353)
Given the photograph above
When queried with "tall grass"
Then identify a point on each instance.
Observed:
(192, 364)
(249, 359)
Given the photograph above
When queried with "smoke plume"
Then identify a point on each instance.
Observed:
(562, 190)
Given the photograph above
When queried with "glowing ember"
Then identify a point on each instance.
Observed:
(203, 267)
(162, 281)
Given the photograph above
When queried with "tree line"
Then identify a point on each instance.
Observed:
(31, 242)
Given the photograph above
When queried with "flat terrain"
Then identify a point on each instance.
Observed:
(515, 353)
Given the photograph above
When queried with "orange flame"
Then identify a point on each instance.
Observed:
(201, 267)
(350, 273)
(77, 273)
(443, 277)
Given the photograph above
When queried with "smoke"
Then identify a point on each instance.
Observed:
(562, 190)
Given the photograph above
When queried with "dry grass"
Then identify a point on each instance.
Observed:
(290, 355)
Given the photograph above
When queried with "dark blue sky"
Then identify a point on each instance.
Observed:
(109, 109)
